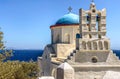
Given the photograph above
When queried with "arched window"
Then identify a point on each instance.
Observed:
(97, 22)
(99, 36)
(88, 16)
(88, 21)
(52, 38)
(90, 36)
(84, 45)
(78, 35)
(95, 45)
(100, 45)
(106, 45)
(58, 39)
(89, 45)
(67, 38)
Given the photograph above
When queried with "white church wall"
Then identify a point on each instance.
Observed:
(56, 35)
(64, 34)
(63, 50)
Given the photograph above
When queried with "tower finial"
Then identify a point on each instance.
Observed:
(70, 9)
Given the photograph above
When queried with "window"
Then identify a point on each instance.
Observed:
(94, 59)
(90, 36)
(78, 35)
(93, 10)
(58, 39)
(67, 38)
(100, 36)
(97, 18)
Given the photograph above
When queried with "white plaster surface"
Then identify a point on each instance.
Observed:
(93, 43)
(46, 77)
(65, 71)
(65, 66)
(112, 75)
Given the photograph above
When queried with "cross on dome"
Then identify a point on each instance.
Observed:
(70, 9)
(92, 0)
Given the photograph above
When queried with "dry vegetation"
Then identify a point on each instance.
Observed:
(15, 69)
(18, 70)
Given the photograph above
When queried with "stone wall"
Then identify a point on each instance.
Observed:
(91, 56)
(64, 34)
(65, 71)
(63, 50)
(96, 68)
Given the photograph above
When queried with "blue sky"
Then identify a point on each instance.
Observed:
(26, 23)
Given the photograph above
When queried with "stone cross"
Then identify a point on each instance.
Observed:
(92, 0)
(70, 9)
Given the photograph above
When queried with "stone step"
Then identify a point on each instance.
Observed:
(72, 54)
(74, 51)
(69, 57)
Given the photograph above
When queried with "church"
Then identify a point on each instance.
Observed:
(79, 48)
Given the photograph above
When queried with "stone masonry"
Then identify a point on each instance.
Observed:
(81, 51)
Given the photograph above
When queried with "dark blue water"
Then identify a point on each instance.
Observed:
(117, 52)
(27, 55)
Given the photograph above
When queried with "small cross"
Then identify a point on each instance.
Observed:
(70, 9)
(92, 0)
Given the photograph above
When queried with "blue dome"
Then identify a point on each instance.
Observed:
(69, 18)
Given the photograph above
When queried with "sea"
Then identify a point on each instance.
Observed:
(25, 55)
(28, 55)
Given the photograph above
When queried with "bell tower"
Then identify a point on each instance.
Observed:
(93, 40)
(93, 23)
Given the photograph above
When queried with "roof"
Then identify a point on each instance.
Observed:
(69, 18)
(65, 66)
